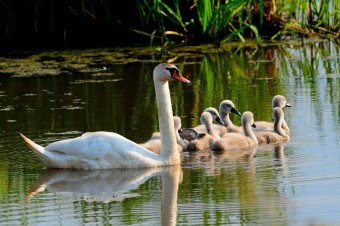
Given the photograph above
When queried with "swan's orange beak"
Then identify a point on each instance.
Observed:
(176, 75)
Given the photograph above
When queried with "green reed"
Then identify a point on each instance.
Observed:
(221, 21)
(311, 17)
(215, 21)
(97, 23)
(163, 16)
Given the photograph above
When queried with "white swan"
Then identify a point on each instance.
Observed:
(105, 150)
(277, 101)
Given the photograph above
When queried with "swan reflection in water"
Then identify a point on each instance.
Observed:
(112, 185)
(279, 157)
(212, 160)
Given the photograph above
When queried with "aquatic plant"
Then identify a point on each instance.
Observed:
(87, 23)
(219, 21)
(310, 17)
(210, 21)
(163, 16)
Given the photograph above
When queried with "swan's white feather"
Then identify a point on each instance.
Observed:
(106, 150)
(95, 150)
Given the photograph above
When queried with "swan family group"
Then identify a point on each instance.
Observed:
(227, 136)
(107, 150)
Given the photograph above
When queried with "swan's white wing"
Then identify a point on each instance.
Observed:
(97, 145)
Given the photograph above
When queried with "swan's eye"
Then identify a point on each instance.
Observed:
(172, 70)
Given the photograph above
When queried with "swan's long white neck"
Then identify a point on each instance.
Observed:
(169, 148)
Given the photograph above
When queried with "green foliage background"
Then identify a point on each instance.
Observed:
(89, 23)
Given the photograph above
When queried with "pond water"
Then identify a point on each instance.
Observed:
(296, 183)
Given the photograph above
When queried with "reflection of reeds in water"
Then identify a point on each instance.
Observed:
(227, 74)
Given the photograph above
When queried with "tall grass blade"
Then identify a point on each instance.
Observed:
(235, 33)
(256, 33)
(173, 16)
(261, 12)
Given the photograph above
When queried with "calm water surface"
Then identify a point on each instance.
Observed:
(296, 183)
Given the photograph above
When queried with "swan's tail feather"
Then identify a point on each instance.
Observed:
(37, 149)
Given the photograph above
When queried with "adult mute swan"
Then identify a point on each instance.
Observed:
(105, 150)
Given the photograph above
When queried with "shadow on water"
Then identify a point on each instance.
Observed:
(291, 184)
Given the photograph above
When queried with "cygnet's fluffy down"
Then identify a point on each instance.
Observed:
(154, 144)
(204, 140)
(233, 141)
(276, 135)
(201, 129)
(226, 107)
(277, 101)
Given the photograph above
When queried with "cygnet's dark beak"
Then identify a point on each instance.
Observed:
(201, 135)
(253, 125)
(235, 111)
(219, 120)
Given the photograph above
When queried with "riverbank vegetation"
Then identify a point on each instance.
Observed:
(86, 23)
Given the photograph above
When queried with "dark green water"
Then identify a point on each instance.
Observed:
(292, 184)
